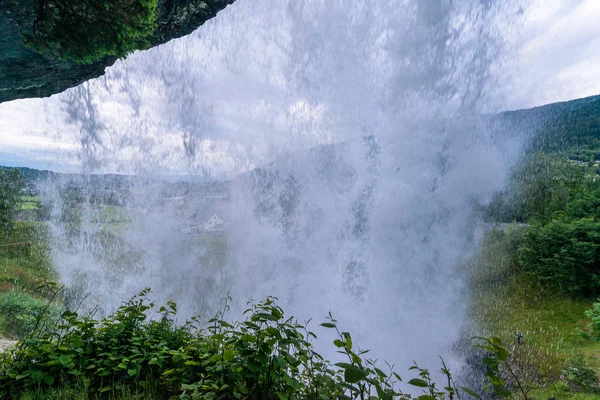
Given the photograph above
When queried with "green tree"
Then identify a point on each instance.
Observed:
(564, 254)
(11, 187)
(585, 201)
(540, 186)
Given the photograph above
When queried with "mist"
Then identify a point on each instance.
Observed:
(353, 151)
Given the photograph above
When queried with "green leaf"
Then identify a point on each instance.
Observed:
(348, 339)
(132, 372)
(339, 343)
(354, 374)
(328, 325)
(417, 382)
(290, 359)
(65, 359)
(380, 373)
(293, 383)
(470, 392)
(501, 392)
(49, 379)
(502, 353)
(282, 396)
(228, 354)
(22, 376)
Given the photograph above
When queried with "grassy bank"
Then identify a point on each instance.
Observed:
(24, 257)
(25, 270)
(508, 303)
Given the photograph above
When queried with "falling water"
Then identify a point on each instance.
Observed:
(354, 152)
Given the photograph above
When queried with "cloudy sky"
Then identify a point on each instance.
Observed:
(244, 90)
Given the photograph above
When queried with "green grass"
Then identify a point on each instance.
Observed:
(24, 258)
(506, 301)
(22, 314)
(111, 218)
(25, 264)
(30, 202)
(546, 394)
(118, 228)
(549, 323)
(109, 214)
(80, 391)
(215, 250)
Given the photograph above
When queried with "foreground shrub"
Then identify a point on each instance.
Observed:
(85, 31)
(266, 356)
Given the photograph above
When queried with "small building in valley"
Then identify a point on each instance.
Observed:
(214, 223)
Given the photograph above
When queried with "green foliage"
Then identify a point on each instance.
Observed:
(22, 314)
(564, 255)
(585, 201)
(550, 321)
(11, 186)
(496, 356)
(572, 129)
(594, 315)
(265, 356)
(563, 205)
(581, 377)
(560, 389)
(86, 31)
(29, 203)
(540, 186)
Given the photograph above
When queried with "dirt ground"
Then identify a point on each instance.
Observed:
(6, 343)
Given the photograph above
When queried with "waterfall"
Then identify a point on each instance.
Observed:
(342, 143)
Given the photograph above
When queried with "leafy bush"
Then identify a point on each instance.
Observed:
(594, 315)
(564, 255)
(23, 314)
(266, 356)
(581, 377)
(585, 202)
(85, 31)
(560, 389)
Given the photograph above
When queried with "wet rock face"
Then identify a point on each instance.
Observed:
(25, 73)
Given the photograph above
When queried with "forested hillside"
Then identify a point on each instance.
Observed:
(536, 282)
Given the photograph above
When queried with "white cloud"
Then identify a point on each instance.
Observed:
(559, 55)
(26, 131)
